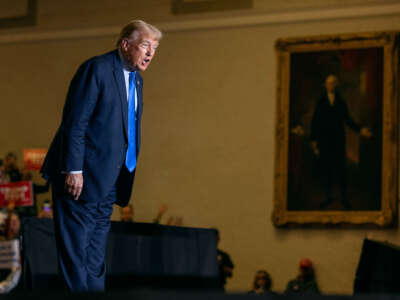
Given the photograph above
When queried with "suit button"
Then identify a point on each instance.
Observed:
(119, 166)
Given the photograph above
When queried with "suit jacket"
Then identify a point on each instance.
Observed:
(93, 133)
(328, 123)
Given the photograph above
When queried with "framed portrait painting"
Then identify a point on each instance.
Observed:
(336, 156)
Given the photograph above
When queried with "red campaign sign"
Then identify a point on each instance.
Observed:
(20, 193)
(33, 158)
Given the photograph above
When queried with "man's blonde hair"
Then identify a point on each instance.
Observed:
(134, 29)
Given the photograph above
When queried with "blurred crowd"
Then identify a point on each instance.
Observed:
(10, 216)
(303, 284)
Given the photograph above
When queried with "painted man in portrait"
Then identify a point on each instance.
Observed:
(328, 138)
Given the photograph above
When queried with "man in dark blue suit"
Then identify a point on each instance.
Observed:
(92, 160)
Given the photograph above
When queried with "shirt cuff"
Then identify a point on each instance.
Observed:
(72, 172)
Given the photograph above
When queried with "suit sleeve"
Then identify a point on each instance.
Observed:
(81, 101)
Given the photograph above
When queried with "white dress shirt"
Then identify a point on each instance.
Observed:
(331, 98)
(126, 76)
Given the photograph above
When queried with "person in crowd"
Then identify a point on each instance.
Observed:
(305, 282)
(225, 265)
(47, 211)
(3, 175)
(262, 283)
(31, 211)
(10, 167)
(10, 277)
(12, 226)
(5, 214)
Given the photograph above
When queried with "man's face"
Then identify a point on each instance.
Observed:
(261, 279)
(139, 53)
(330, 84)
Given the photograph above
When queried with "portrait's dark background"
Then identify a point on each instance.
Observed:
(360, 76)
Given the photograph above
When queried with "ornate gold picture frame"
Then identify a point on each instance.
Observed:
(336, 155)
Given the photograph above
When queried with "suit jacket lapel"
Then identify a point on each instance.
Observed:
(120, 82)
(139, 83)
(139, 86)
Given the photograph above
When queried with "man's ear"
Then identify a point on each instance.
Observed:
(124, 44)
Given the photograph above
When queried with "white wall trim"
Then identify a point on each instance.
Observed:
(314, 15)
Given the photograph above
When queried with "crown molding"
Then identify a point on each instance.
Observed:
(311, 15)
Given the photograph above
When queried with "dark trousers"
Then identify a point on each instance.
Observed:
(81, 231)
(333, 163)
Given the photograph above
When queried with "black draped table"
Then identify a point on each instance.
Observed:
(139, 255)
(378, 269)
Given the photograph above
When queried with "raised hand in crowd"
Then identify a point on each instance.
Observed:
(175, 221)
(161, 211)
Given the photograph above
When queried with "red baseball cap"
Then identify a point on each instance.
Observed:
(306, 263)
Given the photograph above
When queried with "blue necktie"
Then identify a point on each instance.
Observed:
(130, 160)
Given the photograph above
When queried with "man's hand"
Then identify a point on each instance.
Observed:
(314, 147)
(365, 132)
(163, 208)
(74, 184)
(298, 130)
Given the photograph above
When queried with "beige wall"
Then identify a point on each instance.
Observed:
(208, 133)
